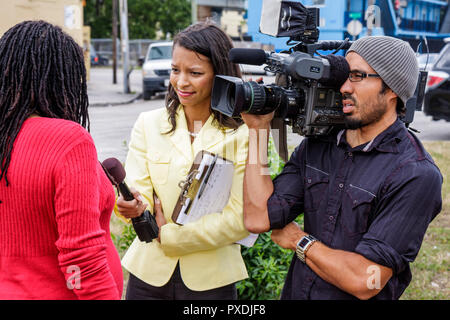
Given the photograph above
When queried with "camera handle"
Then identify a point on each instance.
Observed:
(279, 134)
(278, 125)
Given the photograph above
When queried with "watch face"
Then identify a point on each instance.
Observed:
(303, 242)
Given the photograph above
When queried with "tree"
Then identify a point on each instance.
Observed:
(145, 17)
(177, 16)
(98, 15)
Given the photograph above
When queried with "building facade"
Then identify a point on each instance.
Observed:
(68, 14)
(229, 14)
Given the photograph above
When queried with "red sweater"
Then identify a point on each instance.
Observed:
(55, 241)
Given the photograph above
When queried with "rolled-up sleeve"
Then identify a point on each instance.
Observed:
(411, 199)
(286, 202)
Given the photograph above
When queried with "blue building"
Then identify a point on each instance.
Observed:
(408, 20)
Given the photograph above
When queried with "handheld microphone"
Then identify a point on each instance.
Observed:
(145, 225)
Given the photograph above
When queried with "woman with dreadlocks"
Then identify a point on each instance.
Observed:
(55, 199)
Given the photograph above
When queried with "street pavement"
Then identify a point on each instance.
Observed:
(113, 113)
(102, 92)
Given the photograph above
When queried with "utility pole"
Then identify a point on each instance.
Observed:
(370, 16)
(114, 39)
(194, 11)
(125, 44)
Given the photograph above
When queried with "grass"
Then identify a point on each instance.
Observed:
(431, 269)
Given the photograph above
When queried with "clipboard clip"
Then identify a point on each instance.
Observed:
(186, 184)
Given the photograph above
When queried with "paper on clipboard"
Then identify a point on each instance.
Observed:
(215, 175)
(214, 190)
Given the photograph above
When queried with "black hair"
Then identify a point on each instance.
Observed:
(209, 40)
(400, 107)
(42, 72)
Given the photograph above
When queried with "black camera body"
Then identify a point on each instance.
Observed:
(145, 227)
(306, 92)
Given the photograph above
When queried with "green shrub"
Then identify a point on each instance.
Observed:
(267, 266)
(267, 263)
(124, 240)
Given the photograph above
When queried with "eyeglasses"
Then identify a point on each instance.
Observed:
(356, 76)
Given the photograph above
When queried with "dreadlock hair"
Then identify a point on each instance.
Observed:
(209, 40)
(42, 72)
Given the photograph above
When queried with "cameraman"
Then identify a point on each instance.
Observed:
(368, 193)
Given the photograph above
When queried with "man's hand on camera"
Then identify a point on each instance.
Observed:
(133, 208)
(257, 121)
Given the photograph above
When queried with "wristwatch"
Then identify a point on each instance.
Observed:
(303, 245)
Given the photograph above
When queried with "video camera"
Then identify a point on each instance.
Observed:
(306, 93)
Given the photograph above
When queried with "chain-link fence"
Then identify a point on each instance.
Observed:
(138, 48)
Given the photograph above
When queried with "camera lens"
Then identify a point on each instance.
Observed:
(232, 96)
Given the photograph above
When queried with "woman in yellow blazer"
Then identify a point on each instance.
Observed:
(199, 260)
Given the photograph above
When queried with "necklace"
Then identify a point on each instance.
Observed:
(193, 134)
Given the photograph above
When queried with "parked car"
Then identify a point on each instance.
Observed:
(96, 59)
(437, 92)
(426, 60)
(156, 69)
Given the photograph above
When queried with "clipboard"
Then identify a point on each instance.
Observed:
(206, 189)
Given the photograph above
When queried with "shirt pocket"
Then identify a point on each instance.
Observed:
(158, 166)
(356, 207)
(316, 187)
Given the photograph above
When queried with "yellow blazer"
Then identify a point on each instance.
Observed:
(205, 249)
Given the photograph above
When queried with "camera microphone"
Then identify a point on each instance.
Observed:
(335, 76)
(255, 57)
(145, 225)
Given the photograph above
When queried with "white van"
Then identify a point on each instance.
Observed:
(156, 69)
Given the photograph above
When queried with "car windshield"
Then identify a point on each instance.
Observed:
(158, 53)
(422, 59)
(444, 60)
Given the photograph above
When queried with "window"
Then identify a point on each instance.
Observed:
(158, 53)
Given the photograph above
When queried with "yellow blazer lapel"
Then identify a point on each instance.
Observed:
(180, 137)
(209, 135)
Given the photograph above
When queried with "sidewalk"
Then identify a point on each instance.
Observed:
(102, 92)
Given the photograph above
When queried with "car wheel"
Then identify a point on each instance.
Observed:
(147, 95)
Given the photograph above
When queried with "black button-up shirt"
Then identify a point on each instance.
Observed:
(376, 199)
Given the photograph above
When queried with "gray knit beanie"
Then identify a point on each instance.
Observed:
(393, 59)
